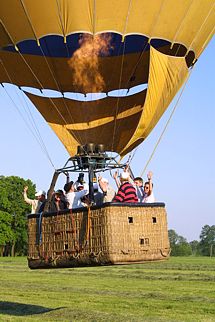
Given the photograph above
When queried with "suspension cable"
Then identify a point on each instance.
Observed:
(181, 23)
(39, 138)
(114, 132)
(61, 21)
(50, 69)
(32, 120)
(197, 34)
(29, 21)
(41, 144)
(143, 50)
(166, 125)
(121, 70)
(168, 121)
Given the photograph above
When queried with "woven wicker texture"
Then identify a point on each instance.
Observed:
(109, 235)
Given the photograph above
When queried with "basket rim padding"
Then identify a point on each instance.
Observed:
(105, 205)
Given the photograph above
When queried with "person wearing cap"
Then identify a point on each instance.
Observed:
(126, 192)
(69, 193)
(58, 202)
(36, 203)
(108, 191)
(98, 196)
(73, 196)
(116, 176)
(80, 184)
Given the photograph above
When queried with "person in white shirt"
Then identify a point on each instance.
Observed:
(73, 197)
(40, 197)
(148, 189)
(108, 191)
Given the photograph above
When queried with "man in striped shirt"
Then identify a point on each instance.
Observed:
(126, 192)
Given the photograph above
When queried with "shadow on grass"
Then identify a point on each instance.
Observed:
(13, 308)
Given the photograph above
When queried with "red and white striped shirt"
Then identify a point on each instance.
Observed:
(126, 193)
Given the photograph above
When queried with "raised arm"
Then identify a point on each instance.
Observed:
(102, 184)
(149, 176)
(27, 200)
(115, 176)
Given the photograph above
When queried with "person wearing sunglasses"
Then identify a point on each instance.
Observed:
(148, 189)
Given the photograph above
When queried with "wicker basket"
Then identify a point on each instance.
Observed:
(112, 234)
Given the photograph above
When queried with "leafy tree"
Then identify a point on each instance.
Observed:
(13, 204)
(6, 231)
(207, 240)
(179, 245)
(173, 237)
(183, 249)
(194, 244)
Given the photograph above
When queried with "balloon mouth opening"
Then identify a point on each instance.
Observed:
(49, 93)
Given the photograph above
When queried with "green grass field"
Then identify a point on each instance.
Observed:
(180, 289)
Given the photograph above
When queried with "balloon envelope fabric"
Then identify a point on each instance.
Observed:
(102, 50)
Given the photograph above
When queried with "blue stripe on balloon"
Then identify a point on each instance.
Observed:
(54, 46)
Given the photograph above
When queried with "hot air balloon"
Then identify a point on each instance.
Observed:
(116, 65)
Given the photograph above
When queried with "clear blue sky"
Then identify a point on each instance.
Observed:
(183, 165)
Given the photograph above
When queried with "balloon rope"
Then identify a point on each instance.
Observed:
(94, 17)
(206, 41)
(134, 152)
(32, 121)
(120, 79)
(197, 34)
(41, 143)
(147, 42)
(9, 35)
(29, 20)
(77, 137)
(117, 104)
(154, 24)
(36, 134)
(50, 99)
(51, 71)
(181, 24)
(61, 21)
(127, 17)
(135, 67)
(165, 127)
(168, 121)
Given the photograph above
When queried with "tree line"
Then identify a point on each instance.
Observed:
(13, 224)
(13, 210)
(204, 247)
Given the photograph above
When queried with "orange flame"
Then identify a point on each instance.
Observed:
(85, 62)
